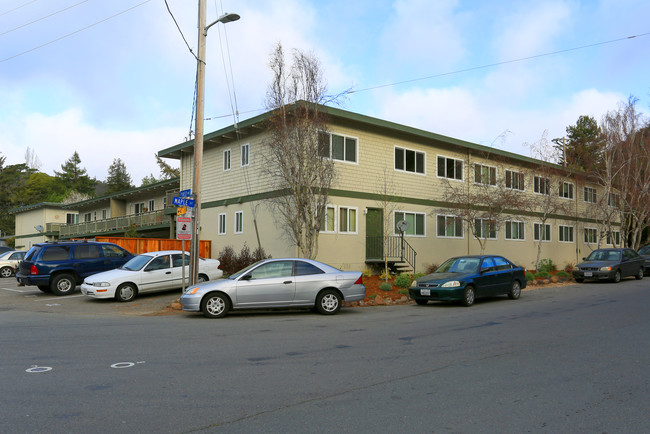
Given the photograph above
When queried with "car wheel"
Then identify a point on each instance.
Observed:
(639, 275)
(202, 278)
(617, 276)
(126, 292)
(63, 284)
(44, 288)
(468, 296)
(579, 279)
(328, 302)
(422, 302)
(215, 305)
(515, 291)
(6, 272)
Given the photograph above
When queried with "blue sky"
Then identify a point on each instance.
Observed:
(121, 84)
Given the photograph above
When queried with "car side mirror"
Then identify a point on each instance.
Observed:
(584, 258)
(246, 277)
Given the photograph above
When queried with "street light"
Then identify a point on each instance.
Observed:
(198, 135)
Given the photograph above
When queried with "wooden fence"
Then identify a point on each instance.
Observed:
(144, 245)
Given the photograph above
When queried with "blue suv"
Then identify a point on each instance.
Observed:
(61, 266)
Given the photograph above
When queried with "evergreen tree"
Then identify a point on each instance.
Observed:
(167, 171)
(75, 177)
(581, 148)
(118, 178)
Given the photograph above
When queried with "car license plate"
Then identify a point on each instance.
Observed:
(425, 292)
(588, 274)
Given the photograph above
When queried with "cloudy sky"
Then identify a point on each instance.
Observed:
(115, 79)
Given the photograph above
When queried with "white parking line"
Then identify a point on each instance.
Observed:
(59, 298)
(15, 290)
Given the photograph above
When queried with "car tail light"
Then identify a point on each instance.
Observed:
(33, 270)
(359, 281)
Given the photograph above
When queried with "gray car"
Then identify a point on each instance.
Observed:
(610, 264)
(9, 261)
(272, 283)
(645, 252)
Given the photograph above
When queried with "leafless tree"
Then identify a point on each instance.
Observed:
(294, 162)
(388, 204)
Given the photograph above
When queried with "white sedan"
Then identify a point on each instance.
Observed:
(148, 272)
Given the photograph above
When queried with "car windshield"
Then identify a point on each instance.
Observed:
(645, 251)
(136, 263)
(604, 255)
(459, 265)
(5, 255)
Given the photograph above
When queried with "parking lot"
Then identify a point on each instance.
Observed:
(31, 299)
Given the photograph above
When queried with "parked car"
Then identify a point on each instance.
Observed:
(9, 261)
(466, 278)
(4, 249)
(271, 283)
(148, 272)
(645, 252)
(60, 266)
(610, 264)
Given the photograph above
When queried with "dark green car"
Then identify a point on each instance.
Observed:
(466, 278)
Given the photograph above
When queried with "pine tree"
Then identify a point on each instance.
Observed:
(118, 178)
(75, 177)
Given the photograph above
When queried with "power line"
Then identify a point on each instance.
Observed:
(73, 33)
(16, 8)
(40, 19)
(180, 31)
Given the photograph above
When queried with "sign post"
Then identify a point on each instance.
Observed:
(183, 232)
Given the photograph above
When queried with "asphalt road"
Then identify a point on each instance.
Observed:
(566, 359)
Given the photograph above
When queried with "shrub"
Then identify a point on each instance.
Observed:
(569, 267)
(529, 276)
(546, 265)
(403, 291)
(403, 280)
(231, 262)
(418, 275)
(542, 274)
(384, 276)
(367, 272)
(562, 273)
(385, 286)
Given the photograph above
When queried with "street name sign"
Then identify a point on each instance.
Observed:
(178, 201)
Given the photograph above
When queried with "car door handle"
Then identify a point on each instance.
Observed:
(168, 272)
(286, 282)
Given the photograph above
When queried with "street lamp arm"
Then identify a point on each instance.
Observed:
(225, 18)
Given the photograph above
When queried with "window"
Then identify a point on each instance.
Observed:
(514, 180)
(485, 174)
(566, 234)
(566, 190)
(275, 269)
(591, 235)
(613, 199)
(338, 147)
(87, 217)
(409, 161)
(221, 230)
(328, 222)
(71, 219)
(450, 168)
(113, 251)
(160, 263)
(542, 232)
(415, 223)
(614, 238)
(239, 222)
(485, 228)
(244, 154)
(95, 215)
(450, 226)
(178, 260)
(56, 253)
(306, 269)
(226, 160)
(152, 204)
(347, 220)
(590, 195)
(138, 207)
(541, 185)
(502, 263)
(86, 251)
(515, 230)
(104, 214)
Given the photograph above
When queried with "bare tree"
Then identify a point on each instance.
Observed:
(295, 161)
(388, 204)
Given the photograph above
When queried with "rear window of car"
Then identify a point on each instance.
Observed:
(113, 251)
(90, 251)
(56, 253)
(305, 269)
(502, 264)
(32, 253)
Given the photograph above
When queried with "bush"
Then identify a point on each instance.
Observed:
(403, 280)
(418, 275)
(403, 291)
(546, 265)
(231, 262)
(367, 272)
(569, 267)
(385, 286)
(529, 276)
(562, 273)
(384, 276)
(542, 275)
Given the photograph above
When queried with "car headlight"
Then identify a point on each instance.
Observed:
(101, 284)
(414, 284)
(191, 290)
(450, 284)
(605, 268)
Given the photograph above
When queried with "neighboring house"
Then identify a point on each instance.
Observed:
(146, 209)
(419, 165)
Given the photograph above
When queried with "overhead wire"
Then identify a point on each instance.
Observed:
(42, 18)
(16, 8)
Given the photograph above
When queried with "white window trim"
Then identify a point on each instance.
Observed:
(574, 234)
(225, 221)
(455, 237)
(496, 174)
(584, 235)
(611, 238)
(414, 214)
(595, 194)
(562, 186)
(404, 148)
(541, 226)
(505, 173)
(356, 218)
(462, 173)
(505, 232)
(246, 146)
(237, 215)
(345, 136)
(496, 232)
(229, 152)
(324, 230)
(548, 182)
(152, 204)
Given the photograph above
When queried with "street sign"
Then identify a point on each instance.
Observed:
(185, 193)
(181, 210)
(183, 202)
(183, 228)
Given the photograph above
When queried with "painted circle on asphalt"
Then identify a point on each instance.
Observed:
(37, 369)
(121, 365)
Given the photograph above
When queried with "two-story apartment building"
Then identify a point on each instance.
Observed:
(421, 168)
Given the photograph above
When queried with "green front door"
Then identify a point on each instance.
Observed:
(374, 233)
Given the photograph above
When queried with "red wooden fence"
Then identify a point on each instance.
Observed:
(144, 245)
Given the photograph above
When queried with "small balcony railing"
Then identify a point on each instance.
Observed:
(152, 218)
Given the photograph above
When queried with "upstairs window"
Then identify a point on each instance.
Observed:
(542, 185)
(409, 160)
(486, 175)
(337, 147)
(514, 180)
(566, 190)
(450, 168)
(226, 160)
(244, 155)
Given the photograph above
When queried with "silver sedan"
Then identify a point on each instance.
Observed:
(271, 283)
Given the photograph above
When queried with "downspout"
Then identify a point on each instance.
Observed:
(469, 231)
